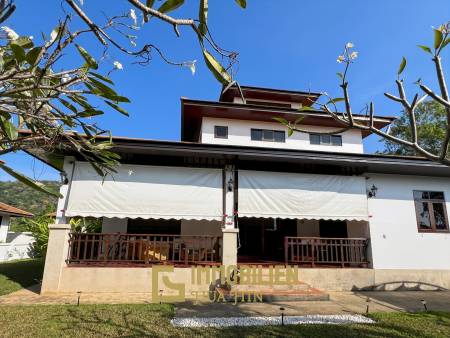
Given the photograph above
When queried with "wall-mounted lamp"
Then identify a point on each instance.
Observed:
(373, 191)
(63, 177)
(230, 185)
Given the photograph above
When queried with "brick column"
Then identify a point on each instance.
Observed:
(55, 260)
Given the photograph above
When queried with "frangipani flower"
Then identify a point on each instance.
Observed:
(340, 59)
(349, 45)
(133, 16)
(117, 65)
(353, 55)
(10, 34)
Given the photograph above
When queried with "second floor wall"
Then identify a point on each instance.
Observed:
(239, 132)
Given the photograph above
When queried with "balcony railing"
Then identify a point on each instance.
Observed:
(326, 251)
(142, 249)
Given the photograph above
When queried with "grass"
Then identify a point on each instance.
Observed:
(16, 275)
(154, 320)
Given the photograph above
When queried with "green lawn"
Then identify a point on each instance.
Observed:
(16, 275)
(153, 320)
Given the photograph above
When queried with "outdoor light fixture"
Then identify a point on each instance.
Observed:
(63, 177)
(230, 185)
(424, 303)
(373, 191)
(282, 315)
(367, 307)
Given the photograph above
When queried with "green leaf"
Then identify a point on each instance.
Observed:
(101, 77)
(402, 66)
(307, 108)
(340, 75)
(90, 113)
(290, 132)
(203, 16)
(32, 55)
(28, 181)
(445, 43)
(425, 48)
(18, 51)
(170, 5)
(118, 108)
(9, 128)
(102, 87)
(335, 100)
(216, 68)
(281, 120)
(68, 105)
(24, 42)
(438, 37)
(298, 120)
(242, 3)
(89, 59)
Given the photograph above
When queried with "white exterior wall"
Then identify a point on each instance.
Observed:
(395, 240)
(4, 227)
(17, 246)
(239, 134)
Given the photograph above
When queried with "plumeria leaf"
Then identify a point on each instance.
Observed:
(299, 119)
(340, 75)
(28, 181)
(445, 43)
(101, 77)
(216, 68)
(203, 16)
(118, 108)
(32, 55)
(89, 59)
(19, 52)
(9, 128)
(335, 100)
(242, 3)
(90, 113)
(170, 5)
(402, 66)
(425, 48)
(290, 132)
(438, 37)
(24, 42)
(281, 120)
(53, 35)
(68, 105)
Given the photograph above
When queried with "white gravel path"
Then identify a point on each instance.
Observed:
(260, 321)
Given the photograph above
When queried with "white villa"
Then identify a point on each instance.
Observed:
(236, 190)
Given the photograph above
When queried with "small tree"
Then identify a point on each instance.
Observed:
(54, 103)
(408, 139)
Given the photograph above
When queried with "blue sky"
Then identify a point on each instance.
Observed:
(287, 44)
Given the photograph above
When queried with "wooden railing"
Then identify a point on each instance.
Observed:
(142, 249)
(332, 251)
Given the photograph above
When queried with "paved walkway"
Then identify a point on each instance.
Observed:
(339, 303)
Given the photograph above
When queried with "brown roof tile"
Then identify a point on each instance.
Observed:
(13, 211)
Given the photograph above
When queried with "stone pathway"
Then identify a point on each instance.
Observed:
(339, 303)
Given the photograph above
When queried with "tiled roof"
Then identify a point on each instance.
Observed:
(13, 211)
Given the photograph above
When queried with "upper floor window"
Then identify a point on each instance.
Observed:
(322, 139)
(430, 211)
(268, 135)
(220, 132)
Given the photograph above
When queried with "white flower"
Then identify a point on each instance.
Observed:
(10, 34)
(133, 16)
(31, 37)
(190, 65)
(340, 59)
(133, 43)
(353, 55)
(117, 65)
(65, 78)
(349, 45)
(81, 2)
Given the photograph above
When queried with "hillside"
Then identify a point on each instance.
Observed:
(21, 196)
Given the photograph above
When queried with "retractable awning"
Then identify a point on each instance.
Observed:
(138, 191)
(301, 196)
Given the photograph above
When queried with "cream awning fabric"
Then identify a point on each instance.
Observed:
(301, 196)
(138, 191)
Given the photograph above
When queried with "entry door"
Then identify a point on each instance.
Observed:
(333, 229)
